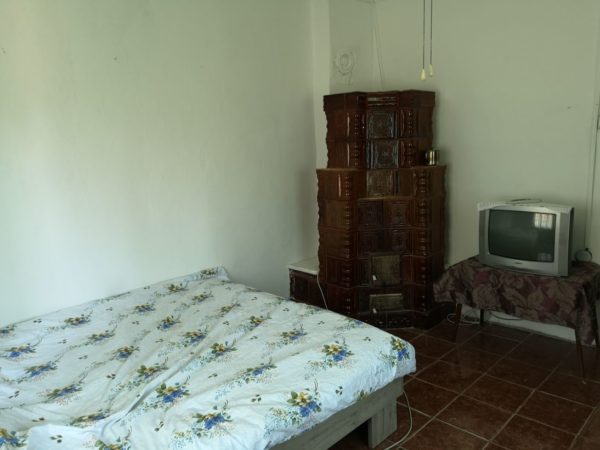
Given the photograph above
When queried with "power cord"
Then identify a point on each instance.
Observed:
(321, 291)
(410, 425)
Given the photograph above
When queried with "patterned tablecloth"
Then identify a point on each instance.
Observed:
(568, 301)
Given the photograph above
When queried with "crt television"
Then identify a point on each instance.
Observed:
(529, 236)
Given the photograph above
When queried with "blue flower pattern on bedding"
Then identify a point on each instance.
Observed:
(193, 362)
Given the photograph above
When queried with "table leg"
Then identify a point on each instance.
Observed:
(580, 354)
(597, 336)
(481, 317)
(457, 317)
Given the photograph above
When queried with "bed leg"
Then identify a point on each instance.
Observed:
(382, 424)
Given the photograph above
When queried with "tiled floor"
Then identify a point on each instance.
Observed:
(495, 388)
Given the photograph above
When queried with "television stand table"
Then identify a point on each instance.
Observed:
(568, 301)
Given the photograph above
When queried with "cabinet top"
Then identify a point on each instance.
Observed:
(385, 99)
(310, 266)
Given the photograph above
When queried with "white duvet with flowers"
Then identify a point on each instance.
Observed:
(194, 362)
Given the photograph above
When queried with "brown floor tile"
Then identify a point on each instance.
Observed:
(540, 342)
(408, 334)
(519, 372)
(573, 388)
(426, 398)
(430, 346)
(476, 417)
(491, 344)
(418, 420)
(471, 358)
(505, 332)
(555, 411)
(498, 393)
(591, 360)
(446, 330)
(440, 436)
(424, 361)
(542, 351)
(591, 431)
(524, 434)
(449, 376)
(445, 386)
(582, 443)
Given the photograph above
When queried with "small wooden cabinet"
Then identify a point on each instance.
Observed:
(303, 282)
(381, 211)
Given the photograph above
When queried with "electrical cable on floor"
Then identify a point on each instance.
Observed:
(410, 425)
(321, 291)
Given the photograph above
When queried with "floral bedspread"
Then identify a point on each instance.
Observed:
(568, 301)
(194, 362)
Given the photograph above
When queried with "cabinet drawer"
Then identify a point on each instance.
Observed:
(388, 299)
(304, 288)
(396, 153)
(421, 181)
(341, 184)
(344, 272)
(341, 300)
(347, 154)
(381, 183)
(426, 241)
(429, 211)
(423, 269)
(422, 297)
(337, 214)
(345, 125)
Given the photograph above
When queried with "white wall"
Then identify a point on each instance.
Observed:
(321, 41)
(146, 139)
(516, 86)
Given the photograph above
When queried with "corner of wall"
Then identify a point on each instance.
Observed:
(321, 57)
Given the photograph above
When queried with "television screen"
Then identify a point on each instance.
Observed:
(523, 235)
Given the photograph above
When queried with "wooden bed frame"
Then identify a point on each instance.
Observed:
(379, 409)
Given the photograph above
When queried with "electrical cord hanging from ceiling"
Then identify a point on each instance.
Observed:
(424, 43)
(377, 33)
(376, 30)
(423, 74)
(430, 38)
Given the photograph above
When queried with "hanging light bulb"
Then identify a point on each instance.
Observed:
(431, 38)
(423, 73)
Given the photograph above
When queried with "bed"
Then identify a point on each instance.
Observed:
(196, 362)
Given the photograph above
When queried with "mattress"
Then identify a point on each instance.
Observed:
(194, 362)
